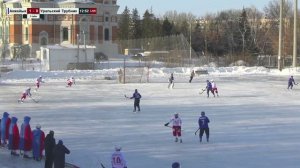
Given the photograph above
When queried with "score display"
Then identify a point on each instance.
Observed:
(53, 11)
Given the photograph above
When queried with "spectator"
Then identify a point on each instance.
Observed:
(25, 137)
(14, 137)
(49, 146)
(59, 154)
(5, 123)
(38, 140)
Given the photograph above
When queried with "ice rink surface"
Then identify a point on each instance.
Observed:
(255, 122)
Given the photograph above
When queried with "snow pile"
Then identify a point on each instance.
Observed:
(254, 121)
(155, 73)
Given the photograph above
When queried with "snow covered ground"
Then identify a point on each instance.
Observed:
(254, 122)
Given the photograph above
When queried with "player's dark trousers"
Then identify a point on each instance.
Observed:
(191, 78)
(209, 90)
(137, 104)
(49, 162)
(202, 130)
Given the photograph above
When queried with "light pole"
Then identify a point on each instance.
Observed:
(77, 48)
(295, 33)
(280, 36)
(190, 42)
(84, 42)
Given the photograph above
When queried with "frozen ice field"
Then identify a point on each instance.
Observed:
(255, 122)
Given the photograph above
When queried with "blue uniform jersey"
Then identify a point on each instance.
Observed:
(291, 81)
(136, 95)
(208, 86)
(203, 122)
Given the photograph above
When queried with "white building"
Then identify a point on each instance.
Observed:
(98, 29)
(57, 57)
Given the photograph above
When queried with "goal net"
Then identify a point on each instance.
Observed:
(134, 74)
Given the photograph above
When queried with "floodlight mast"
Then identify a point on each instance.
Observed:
(280, 36)
(295, 33)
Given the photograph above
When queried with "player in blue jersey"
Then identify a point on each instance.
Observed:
(136, 96)
(209, 88)
(291, 82)
(203, 126)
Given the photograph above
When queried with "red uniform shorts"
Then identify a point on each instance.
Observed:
(177, 131)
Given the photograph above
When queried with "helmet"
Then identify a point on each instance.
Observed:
(212, 80)
(60, 142)
(38, 126)
(202, 113)
(118, 148)
(51, 132)
(29, 88)
(40, 76)
(207, 80)
(176, 165)
(176, 115)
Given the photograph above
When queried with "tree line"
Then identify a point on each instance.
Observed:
(235, 34)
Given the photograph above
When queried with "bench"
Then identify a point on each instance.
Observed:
(201, 72)
(5, 69)
(108, 78)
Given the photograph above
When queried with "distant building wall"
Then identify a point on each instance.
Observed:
(99, 30)
(58, 58)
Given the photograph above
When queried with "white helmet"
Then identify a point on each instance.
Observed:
(118, 147)
(212, 80)
(38, 126)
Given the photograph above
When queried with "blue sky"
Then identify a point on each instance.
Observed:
(197, 7)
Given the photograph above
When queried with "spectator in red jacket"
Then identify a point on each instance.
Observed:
(38, 139)
(26, 137)
(14, 137)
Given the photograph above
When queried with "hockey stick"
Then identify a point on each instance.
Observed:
(126, 97)
(33, 99)
(203, 90)
(102, 165)
(172, 127)
(70, 165)
(197, 131)
(169, 126)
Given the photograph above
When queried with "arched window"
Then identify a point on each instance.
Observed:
(43, 38)
(106, 34)
(84, 29)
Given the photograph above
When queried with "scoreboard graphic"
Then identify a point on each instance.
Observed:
(34, 13)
